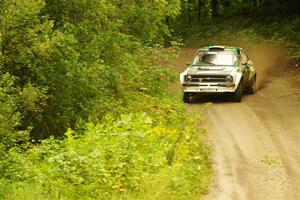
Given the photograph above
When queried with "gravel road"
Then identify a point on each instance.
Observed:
(256, 143)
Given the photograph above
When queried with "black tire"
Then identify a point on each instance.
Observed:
(237, 95)
(251, 89)
(186, 97)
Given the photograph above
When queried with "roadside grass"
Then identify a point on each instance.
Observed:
(150, 149)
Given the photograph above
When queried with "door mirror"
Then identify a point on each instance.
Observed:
(248, 62)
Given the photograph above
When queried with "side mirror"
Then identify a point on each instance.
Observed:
(248, 62)
(188, 63)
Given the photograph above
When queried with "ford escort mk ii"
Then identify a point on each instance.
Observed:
(219, 69)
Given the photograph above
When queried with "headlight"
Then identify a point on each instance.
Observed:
(229, 79)
(188, 78)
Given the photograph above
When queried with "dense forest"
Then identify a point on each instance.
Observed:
(85, 105)
(223, 21)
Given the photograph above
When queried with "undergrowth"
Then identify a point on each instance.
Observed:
(147, 147)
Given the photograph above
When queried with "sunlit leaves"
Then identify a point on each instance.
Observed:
(118, 157)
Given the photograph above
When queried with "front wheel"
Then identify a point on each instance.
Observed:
(252, 89)
(237, 95)
(186, 97)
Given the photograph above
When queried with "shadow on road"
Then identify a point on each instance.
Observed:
(215, 98)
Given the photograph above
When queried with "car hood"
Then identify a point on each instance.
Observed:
(211, 70)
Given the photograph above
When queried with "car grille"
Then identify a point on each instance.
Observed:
(208, 78)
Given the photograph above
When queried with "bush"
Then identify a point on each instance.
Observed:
(131, 157)
(80, 56)
(96, 69)
(10, 136)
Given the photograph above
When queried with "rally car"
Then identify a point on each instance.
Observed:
(219, 69)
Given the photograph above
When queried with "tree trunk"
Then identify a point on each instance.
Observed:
(189, 11)
(214, 8)
(199, 9)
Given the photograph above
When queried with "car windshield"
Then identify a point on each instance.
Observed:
(227, 58)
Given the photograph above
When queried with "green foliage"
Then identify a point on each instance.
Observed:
(260, 21)
(260, 29)
(97, 69)
(31, 101)
(131, 157)
(285, 33)
(79, 57)
(19, 30)
(9, 118)
(146, 20)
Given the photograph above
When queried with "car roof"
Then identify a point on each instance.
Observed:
(220, 47)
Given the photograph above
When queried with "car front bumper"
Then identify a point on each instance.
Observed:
(209, 88)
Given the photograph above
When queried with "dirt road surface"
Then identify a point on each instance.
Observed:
(256, 143)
